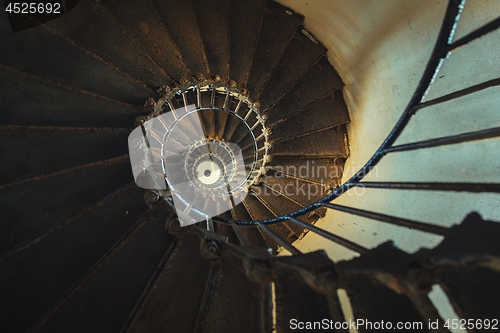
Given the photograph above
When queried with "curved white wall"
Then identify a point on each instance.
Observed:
(380, 49)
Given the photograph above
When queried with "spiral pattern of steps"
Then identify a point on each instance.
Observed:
(72, 91)
(83, 91)
(84, 249)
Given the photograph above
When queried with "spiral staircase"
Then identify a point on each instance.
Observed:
(84, 249)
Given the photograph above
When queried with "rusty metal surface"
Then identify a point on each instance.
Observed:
(144, 24)
(180, 19)
(319, 81)
(324, 143)
(280, 205)
(213, 18)
(21, 225)
(330, 111)
(108, 267)
(270, 46)
(48, 104)
(245, 18)
(300, 55)
(327, 171)
(51, 58)
(258, 211)
(174, 301)
(100, 31)
(129, 268)
(35, 278)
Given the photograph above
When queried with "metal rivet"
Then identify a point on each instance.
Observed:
(150, 102)
(164, 89)
(139, 121)
(173, 225)
(211, 250)
(200, 77)
(151, 196)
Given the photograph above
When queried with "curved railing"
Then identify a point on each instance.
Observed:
(444, 45)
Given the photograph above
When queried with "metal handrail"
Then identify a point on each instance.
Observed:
(444, 45)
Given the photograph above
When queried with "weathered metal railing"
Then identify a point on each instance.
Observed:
(444, 45)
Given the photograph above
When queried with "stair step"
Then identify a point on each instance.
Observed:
(100, 33)
(116, 285)
(180, 19)
(246, 144)
(244, 138)
(28, 152)
(301, 54)
(220, 123)
(190, 127)
(282, 22)
(207, 119)
(281, 206)
(226, 229)
(214, 121)
(233, 134)
(145, 25)
(191, 97)
(233, 128)
(299, 190)
(52, 199)
(53, 59)
(213, 21)
(173, 303)
(231, 291)
(245, 18)
(325, 143)
(251, 233)
(328, 112)
(36, 277)
(206, 98)
(34, 102)
(260, 212)
(327, 171)
(317, 83)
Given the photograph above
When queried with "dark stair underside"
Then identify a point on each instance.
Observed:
(81, 250)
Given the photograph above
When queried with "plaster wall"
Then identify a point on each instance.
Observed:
(380, 49)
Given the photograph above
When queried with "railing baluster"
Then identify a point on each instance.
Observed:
(328, 235)
(443, 46)
(292, 249)
(434, 229)
(448, 140)
(210, 224)
(455, 187)
(460, 93)
(485, 29)
(241, 238)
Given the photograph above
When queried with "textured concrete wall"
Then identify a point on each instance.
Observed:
(380, 49)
